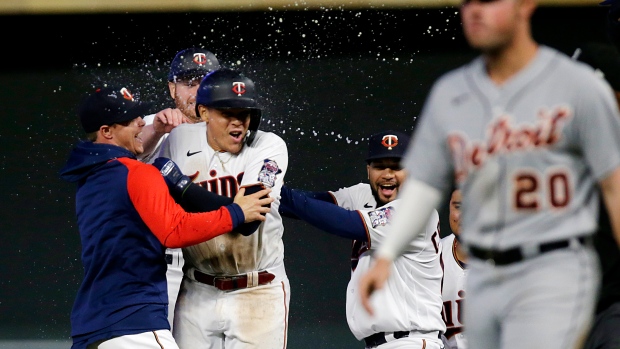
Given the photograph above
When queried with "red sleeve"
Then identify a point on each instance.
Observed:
(165, 218)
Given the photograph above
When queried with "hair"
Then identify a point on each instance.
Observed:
(92, 136)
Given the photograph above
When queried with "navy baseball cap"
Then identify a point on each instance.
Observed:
(192, 62)
(110, 105)
(387, 144)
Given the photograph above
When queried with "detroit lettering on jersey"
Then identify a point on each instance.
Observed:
(229, 185)
(504, 137)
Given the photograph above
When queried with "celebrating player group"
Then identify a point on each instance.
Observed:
(182, 211)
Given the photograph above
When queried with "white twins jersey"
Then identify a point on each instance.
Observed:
(264, 162)
(411, 298)
(526, 155)
(453, 294)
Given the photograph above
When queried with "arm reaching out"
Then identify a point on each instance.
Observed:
(418, 202)
(610, 189)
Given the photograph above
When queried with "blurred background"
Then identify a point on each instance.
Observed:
(330, 74)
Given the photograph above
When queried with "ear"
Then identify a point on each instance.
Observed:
(203, 112)
(172, 87)
(105, 133)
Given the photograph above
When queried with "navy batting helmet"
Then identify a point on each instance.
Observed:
(226, 89)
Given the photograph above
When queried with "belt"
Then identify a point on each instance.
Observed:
(518, 254)
(377, 339)
(228, 283)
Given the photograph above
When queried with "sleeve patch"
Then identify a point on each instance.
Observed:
(381, 216)
(268, 172)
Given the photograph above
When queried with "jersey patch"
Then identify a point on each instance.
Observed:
(381, 216)
(267, 174)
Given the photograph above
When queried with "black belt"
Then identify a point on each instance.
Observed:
(377, 339)
(516, 254)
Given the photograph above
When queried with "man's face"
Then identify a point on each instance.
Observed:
(490, 25)
(128, 135)
(183, 91)
(455, 212)
(385, 176)
(226, 128)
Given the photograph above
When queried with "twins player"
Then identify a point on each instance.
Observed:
(187, 68)
(410, 305)
(235, 293)
(527, 134)
(454, 272)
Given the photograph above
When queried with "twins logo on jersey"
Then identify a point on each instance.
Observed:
(268, 172)
(504, 137)
(381, 216)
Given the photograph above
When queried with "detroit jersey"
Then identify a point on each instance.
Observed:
(453, 294)
(497, 143)
(411, 298)
(265, 162)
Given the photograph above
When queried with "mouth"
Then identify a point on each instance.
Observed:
(237, 136)
(388, 190)
(138, 137)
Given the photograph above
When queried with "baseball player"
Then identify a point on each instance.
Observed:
(605, 59)
(454, 272)
(235, 293)
(187, 68)
(526, 133)
(411, 303)
(126, 218)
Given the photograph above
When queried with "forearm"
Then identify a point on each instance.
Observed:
(418, 202)
(323, 215)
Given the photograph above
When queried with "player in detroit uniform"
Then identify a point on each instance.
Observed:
(235, 293)
(411, 304)
(527, 134)
(454, 272)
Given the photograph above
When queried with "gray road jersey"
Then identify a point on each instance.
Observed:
(527, 155)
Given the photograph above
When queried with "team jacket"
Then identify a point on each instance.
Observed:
(126, 219)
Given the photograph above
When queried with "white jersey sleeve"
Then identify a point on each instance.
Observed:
(355, 197)
(411, 298)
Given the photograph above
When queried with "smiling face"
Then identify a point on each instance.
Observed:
(183, 91)
(126, 134)
(226, 128)
(385, 176)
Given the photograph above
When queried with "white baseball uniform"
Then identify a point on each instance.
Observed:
(411, 299)
(453, 294)
(251, 317)
(527, 156)
(174, 256)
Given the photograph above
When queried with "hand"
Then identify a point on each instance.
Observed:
(254, 206)
(175, 179)
(374, 280)
(167, 119)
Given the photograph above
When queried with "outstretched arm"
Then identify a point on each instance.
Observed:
(324, 215)
(610, 189)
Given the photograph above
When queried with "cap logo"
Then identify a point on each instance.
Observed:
(200, 58)
(389, 141)
(126, 94)
(238, 88)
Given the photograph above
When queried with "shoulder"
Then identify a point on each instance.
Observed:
(186, 129)
(264, 139)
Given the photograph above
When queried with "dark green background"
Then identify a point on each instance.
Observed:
(328, 79)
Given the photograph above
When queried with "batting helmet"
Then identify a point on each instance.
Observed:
(226, 89)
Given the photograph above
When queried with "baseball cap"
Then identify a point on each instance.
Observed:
(387, 144)
(604, 58)
(110, 105)
(192, 62)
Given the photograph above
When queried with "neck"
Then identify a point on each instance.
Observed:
(460, 254)
(504, 63)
